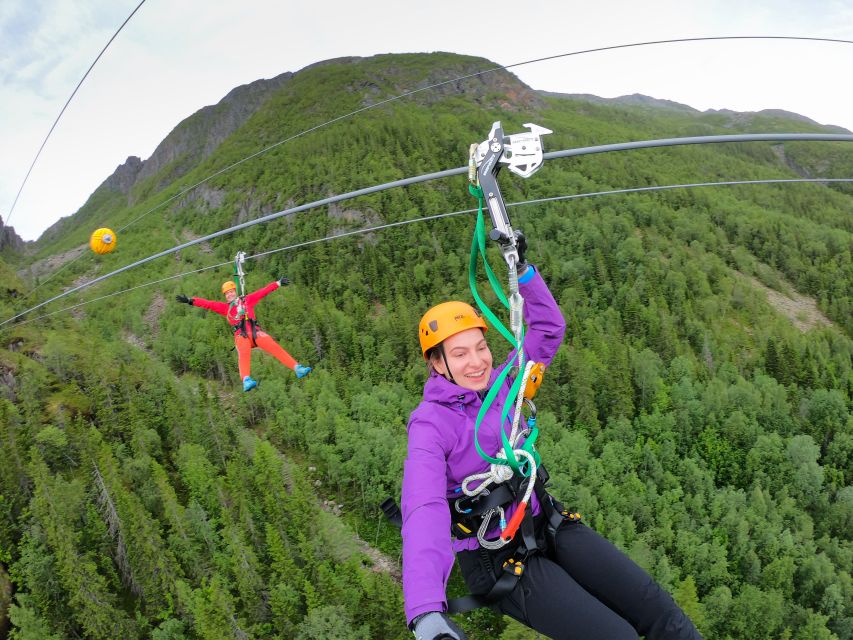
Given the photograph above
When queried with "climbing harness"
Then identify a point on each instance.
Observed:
(532, 538)
(512, 568)
(239, 303)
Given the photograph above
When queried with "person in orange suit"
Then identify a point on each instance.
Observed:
(240, 313)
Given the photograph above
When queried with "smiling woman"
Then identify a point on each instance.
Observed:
(542, 566)
(454, 332)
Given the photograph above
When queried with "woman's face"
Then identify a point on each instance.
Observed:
(230, 295)
(469, 359)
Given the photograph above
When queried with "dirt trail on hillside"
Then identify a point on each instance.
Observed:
(50, 264)
(801, 310)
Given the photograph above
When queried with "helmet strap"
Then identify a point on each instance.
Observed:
(449, 375)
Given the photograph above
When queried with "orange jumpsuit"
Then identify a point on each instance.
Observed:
(241, 315)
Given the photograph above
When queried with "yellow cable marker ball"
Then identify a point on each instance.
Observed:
(103, 240)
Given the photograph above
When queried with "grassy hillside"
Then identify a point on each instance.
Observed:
(692, 422)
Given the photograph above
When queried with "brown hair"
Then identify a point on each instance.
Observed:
(432, 354)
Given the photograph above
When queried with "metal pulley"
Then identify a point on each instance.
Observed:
(522, 154)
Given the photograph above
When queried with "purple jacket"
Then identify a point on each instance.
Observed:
(441, 454)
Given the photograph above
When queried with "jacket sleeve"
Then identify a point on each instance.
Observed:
(543, 317)
(253, 297)
(427, 548)
(212, 305)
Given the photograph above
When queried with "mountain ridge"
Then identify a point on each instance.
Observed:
(638, 99)
(214, 123)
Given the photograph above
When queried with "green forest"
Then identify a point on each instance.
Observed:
(704, 429)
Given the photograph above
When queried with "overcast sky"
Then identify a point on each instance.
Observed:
(175, 57)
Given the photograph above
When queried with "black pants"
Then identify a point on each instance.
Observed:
(586, 590)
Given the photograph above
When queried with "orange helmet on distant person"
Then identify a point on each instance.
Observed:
(447, 319)
(228, 285)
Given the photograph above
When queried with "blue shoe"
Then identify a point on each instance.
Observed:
(249, 383)
(301, 370)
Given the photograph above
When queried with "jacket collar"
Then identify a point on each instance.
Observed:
(440, 389)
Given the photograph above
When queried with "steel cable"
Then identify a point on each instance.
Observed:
(345, 234)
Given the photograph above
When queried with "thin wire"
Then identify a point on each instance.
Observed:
(443, 174)
(434, 86)
(672, 41)
(67, 102)
(680, 186)
(446, 215)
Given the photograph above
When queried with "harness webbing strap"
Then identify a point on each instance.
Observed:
(503, 587)
(512, 570)
(478, 505)
(478, 249)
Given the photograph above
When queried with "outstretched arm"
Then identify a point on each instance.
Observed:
(253, 297)
(216, 306)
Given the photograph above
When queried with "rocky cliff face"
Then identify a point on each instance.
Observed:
(9, 239)
(125, 175)
(198, 136)
(193, 140)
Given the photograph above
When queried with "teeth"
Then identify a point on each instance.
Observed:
(476, 375)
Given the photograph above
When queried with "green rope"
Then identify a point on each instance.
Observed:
(478, 249)
(241, 290)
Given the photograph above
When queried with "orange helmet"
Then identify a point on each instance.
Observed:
(447, 319)
(228, 285)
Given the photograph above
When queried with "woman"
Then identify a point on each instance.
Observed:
(579, 586)
(240, 313)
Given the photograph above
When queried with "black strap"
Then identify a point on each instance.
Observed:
(466, 513)
(241, 328)
(554, 512)
(478, 505)
(392, 512)
(467, 603)
(552, 508)
(510, 574)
